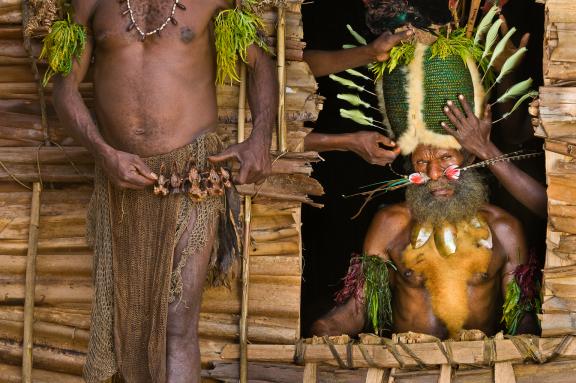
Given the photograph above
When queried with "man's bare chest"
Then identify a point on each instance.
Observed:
(152, 21)
(475, 261)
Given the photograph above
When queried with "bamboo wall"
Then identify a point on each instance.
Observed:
(33, 151)
(557, 124)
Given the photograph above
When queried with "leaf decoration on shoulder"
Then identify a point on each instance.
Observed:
(235, 30)
(65, 42)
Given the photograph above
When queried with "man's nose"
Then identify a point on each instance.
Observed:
(434, 171)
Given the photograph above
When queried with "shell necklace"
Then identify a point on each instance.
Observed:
(143, 34)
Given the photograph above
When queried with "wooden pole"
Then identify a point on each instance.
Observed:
(374, 375)
(473, 14)
(503, 371)
(281, 60)
(445, 374)
(310, 374)
(30, 284)
(246, 240)
(391, 376)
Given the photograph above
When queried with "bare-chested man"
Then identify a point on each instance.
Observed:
(453, 253)
(153, 98)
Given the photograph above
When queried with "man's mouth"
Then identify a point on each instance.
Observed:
(442, 192)
(441, 189)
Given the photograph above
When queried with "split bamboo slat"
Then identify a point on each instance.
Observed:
(555, 120)
(63, 291)
(30, 289)
(246, 238)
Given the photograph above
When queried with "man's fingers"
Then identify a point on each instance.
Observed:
(144, 170)
(503, 26)
(137, 179)
(388, 154)
(242, 176)
(465, 106)
(133, 181)
(224, 156)
(487, 118)
(456, 112)
(455, 121)
(251, 175)
(385, 141)
(396, 38)
(487, 113)
(448, 129)
(524, 40)
(452, 119)
(390, 41)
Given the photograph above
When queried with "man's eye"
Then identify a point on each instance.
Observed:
(446, 158)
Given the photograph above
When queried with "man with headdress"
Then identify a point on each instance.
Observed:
(445, 260)
(160, 217)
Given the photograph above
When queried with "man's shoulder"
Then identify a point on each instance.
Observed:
(397, 215)
(84, 9)
(499, 219)
(388, 224)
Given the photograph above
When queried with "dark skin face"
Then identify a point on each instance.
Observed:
(388, 237)
(153, 97)
(433, 162)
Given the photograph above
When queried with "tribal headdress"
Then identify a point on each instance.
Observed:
(422, 74)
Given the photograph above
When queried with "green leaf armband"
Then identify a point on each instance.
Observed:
(235, 30)
(522, 297)
(64, 43)
(368, 281)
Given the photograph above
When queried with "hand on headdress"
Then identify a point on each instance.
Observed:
(373, 147)
(472, 133)
(386, 41)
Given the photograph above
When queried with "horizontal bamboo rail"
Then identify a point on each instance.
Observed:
(476, 353)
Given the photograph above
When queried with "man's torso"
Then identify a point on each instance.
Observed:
(154, 96)
(412, 302)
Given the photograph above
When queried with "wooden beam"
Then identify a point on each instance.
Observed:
(556, 372)
(464, 352)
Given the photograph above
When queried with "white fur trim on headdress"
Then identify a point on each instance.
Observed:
(479, 91)
(382, 107)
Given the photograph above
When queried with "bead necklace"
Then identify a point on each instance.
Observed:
(143, 34)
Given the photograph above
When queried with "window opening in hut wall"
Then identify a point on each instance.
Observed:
(330, 237)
